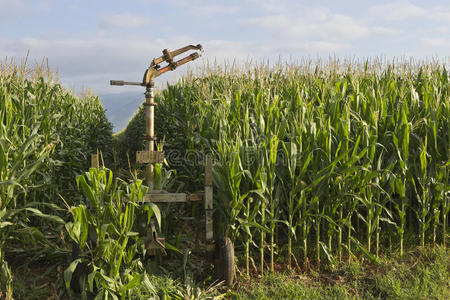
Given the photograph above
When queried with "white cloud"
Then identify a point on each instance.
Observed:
(386, 31)
(396, 11)
(280, 27)
(430, 42)
(403, 10)
(8, 5)
(279, 6)
(307, 48)
(10, 8)
(46, 5)
(211, 10)
(199, 8)
(124, 20)
(323, 25)
(440, 14)
(434, 47)
(222, 50)
(92, 62)
(442, 30)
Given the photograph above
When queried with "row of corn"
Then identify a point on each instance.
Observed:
(318, 162)
(46, 137)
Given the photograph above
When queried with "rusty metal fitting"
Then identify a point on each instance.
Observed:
(149, 138)
(167, 55)
(150, 104)
(155, 70)
(148, 94)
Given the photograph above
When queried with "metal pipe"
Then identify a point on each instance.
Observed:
(150, 131)
(121, 82)
(150, 74)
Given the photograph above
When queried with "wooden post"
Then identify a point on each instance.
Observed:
(94, 161)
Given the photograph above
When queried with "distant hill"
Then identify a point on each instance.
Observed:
(120, 107)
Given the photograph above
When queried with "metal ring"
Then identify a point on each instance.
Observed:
(149, 138)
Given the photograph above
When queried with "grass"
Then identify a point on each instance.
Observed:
(423, 273)
(38, 281)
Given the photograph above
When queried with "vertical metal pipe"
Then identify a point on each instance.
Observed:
(149, 131)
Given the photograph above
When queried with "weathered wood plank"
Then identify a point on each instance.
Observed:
(172, 197)
(149, 157)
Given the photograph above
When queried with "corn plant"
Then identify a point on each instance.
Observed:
(108, 218)
(290, 149)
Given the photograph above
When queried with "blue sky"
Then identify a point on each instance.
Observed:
(90, 42)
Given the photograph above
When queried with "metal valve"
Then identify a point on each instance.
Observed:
(155, 68)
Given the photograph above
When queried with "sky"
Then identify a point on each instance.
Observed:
(91, 42)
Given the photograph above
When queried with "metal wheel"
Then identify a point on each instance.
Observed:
(224, 260)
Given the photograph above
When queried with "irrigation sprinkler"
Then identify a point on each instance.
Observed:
(220, 251)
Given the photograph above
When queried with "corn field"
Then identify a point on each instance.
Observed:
(40, 116)
(46, 137)
(315, 161)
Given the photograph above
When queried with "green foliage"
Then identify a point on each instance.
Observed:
(104, 228)
(130, 139)
(5, 278)
(46, 137)
(372, 144)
